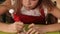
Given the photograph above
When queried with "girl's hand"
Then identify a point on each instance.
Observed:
(19, 26)
(35, 29)
(31, 29)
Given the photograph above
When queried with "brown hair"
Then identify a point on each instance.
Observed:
(18, 6)
(47, 3)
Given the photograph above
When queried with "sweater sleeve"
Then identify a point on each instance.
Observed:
(16, 18)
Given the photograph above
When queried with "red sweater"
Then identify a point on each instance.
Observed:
(31, 19)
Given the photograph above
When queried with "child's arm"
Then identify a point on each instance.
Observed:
(5, 6)
(44, 28)
(51, 28)
(56, 12)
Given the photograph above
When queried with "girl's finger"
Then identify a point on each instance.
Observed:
(37, 33)
(29, 31)
(31, 25)
(32, 31)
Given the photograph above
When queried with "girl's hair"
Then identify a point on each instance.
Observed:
(18, 6)
(38, 4)
(47, 3)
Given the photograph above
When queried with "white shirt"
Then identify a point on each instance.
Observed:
(34, 12)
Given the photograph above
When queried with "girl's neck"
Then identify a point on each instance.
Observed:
(31, 9)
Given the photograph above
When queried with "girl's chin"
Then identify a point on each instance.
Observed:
(29, 8)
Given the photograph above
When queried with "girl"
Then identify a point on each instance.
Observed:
(32, 11)
(20, 15)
